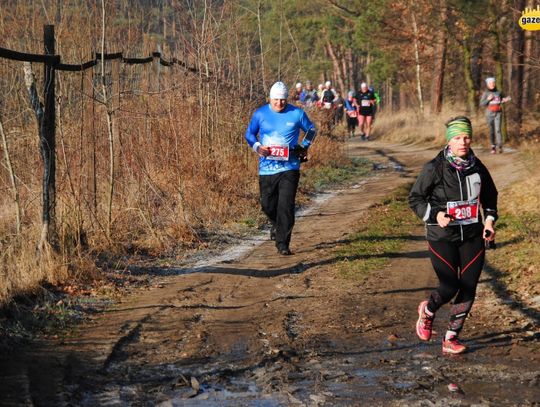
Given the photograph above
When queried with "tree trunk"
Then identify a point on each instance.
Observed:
(12, 178)
(368, 76)
(417, 63)
(259, 28)
(527, 59)
(471, 92)
(476, 63)
(518, 49)
(351, 71)
(440, 63)
(496, 30)
(108, 102)
(337, 66)
(403, 97)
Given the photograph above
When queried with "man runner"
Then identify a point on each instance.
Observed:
(273, 133)
(366, 101)
(492, 99)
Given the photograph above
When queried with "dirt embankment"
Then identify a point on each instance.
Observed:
(262, 329)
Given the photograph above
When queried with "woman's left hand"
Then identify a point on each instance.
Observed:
(489, 230)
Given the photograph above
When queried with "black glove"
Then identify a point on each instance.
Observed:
(301, 153)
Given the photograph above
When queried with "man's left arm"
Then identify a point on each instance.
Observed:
(309, 130)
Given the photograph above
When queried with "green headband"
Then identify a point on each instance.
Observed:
(457, 127)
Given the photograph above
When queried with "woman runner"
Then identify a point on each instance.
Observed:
(351, 108)
(448, 195)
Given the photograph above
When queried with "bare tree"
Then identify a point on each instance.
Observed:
(107, 101)
(439, 61)
(417, 60)
(12, 178)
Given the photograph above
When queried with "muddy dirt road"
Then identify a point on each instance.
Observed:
(265, 330)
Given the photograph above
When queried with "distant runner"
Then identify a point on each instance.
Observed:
(309, 95)
(320, 90)
(327, 96)
(448, 195)
(351, 110)
(366, 101)
(339, 108)
(492, 98)
(298, 94)
(273, 133)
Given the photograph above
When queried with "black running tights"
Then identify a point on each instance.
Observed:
(458, 266)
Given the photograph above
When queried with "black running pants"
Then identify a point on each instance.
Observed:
(277, 195)
(458, 266)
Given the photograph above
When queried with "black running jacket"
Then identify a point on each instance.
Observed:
(439, 183)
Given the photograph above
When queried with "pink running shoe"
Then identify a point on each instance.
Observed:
(424, 324)
(453, 346)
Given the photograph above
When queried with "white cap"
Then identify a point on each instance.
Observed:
(328, 84)
(490, 79)
(363, 85)
(279, 91)
(298, 85)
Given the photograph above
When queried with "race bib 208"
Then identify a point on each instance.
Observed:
(463, 212)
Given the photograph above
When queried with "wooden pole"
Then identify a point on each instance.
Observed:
(48, 142)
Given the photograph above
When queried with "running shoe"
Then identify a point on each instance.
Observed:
(273, 233)
(493, 150)
(453, 346)
(285, 251)
(424, 325)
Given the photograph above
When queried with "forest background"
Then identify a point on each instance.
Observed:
(152, 159)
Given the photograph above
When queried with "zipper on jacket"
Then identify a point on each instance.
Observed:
(461, 194)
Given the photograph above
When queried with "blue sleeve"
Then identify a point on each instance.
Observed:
(309, 129)
(253, 129)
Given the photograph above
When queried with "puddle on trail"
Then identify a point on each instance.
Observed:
(403, 373)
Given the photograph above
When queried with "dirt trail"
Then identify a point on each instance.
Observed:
(270, 330)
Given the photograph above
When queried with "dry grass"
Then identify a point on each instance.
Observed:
(409, 127)
(183, 171)
(519, 229)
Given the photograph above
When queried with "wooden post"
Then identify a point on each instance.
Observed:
(158, 69)
(48, 142)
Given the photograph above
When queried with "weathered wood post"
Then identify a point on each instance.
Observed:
(48, 143)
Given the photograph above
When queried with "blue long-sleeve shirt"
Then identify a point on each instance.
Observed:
(349, 105)
(270, 128)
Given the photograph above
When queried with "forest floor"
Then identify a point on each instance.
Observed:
(252, 328)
